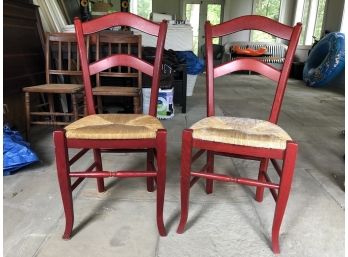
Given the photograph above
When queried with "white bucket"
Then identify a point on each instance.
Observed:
(165, 105)
(191, 81)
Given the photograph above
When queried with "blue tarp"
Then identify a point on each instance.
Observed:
(194, 65)
(17, 152)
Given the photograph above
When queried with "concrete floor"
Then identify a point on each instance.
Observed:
(121, 221)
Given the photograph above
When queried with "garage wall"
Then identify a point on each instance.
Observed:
(332, 21)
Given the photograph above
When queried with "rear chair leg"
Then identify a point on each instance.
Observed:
(75, 109)
(27, 113)
(136, 105)
(283, 193)
(262, 171)
(161, 151)
(100, 104)
(99, 167)
(210, 169)
(63, 169)
(52, 109)
(186, 156)
(149, 166)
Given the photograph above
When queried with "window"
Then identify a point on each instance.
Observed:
(214, 16)
(270, 9)
(142, 8)
(311, 14)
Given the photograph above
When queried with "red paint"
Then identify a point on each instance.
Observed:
(154, 148)
(280, 191)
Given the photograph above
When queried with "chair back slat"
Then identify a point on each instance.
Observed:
(248, 64)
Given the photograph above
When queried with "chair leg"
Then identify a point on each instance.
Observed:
(136, 105)
(63, 169)
(186, 156)
(149, 164)
(210, 169)
(51, 109)
(100, 104)
(27, 113)
(161, 151)
(85, 112)
(283, 193)
(74, 106)
(262, 171)
(99, 167)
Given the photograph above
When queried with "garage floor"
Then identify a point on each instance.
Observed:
(121, 221)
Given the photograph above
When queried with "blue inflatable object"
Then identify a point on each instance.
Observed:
(325, 61)
(17, 152)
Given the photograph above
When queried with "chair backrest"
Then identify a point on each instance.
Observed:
(113, 20)
(251, 22)
(62, 59)
(113, 42)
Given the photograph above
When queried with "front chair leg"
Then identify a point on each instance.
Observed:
(99, 167)
(161, 151)
(283, 193)
(262, 171)
(63, 169)
(186, 156)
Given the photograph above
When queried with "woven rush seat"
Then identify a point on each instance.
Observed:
(114, 126)
(55, 88)
(241, 131)
(115, 91)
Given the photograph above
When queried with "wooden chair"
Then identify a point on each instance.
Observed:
(245, 138)
(114, 132)
(127, 79)
(63, 77)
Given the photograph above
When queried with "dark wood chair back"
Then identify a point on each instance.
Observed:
(62, 59)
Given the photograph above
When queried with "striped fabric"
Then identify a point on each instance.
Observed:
(276, 51)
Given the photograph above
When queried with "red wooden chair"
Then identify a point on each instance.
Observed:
(245, 138)
(114, 132)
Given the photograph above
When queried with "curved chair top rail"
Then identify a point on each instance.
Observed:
(120, 19)
(256, 23)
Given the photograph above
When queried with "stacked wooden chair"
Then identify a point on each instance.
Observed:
(60, 100)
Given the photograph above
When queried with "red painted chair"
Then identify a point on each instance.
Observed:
(114, 132)
(245, 138)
